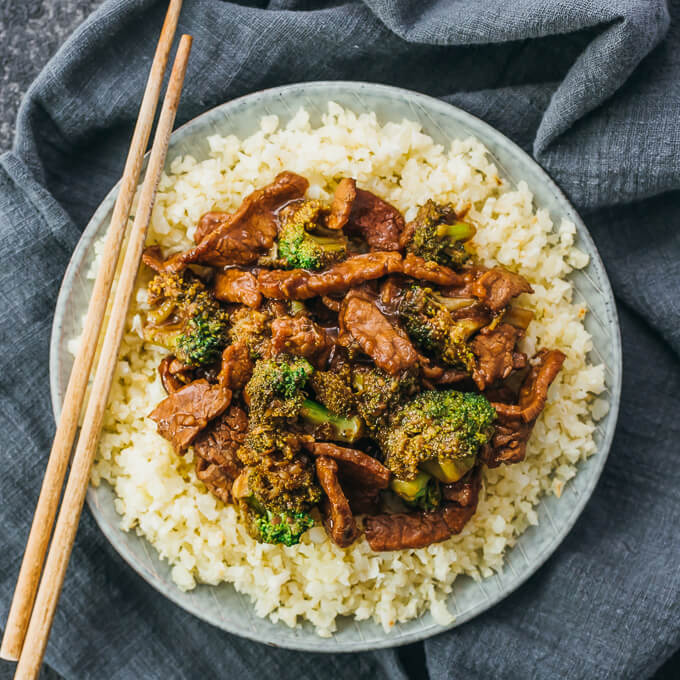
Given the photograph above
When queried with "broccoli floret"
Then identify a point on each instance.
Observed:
(276, 388)
(437, 234)
(328, 425)
(428, 321)
(275, 525)
(377, 393)
(201, 341)
(304, 243)
(333, 389)
(186, 318)
(436, 425)
(281, 527)
(422, 492)
(251, 327)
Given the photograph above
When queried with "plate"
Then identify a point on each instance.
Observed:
(222, 605)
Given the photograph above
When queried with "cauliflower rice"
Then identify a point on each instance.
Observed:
(158, 494)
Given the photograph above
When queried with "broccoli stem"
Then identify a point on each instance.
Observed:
(346, 429)
(458, 231)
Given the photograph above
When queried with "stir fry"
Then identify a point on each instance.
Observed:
(334, 363)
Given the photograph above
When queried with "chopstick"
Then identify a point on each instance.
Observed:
(50, 492)
(65, 530)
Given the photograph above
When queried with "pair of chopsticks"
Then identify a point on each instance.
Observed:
(35, 598)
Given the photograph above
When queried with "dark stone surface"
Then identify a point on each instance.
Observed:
(31, 31)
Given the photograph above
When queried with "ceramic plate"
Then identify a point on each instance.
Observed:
(222, 605)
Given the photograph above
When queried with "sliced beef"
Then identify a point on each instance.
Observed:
(379, 223)
(343, 199)
(516, 421)
(363, 500)
(534, 391)
(496, 355)
(300, 284)
(174, 374)
(434, 374)
(338, 518)
(234, 285)
(496, 287)
(236, 368)
(208, 223)
(356, 466)
(217, 464)
(184, 413)
(300, 336)
(248, 233)
(508, 444)
(465, 491)
(401, 531)
(418, 268)
(362, 321)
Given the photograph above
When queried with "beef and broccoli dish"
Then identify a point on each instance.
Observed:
(335, 363)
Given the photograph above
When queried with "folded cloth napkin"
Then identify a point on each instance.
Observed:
(591, 89)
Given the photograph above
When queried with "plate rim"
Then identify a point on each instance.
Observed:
(116, 536)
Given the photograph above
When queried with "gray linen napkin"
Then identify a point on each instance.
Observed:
(592, 89)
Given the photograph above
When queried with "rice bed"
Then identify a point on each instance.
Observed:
(157, 492)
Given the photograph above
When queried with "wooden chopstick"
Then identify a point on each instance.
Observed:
(50, 492)
(76, 487)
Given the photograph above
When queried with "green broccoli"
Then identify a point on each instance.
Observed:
(201, 341)
(437, 234)
(328, 425)
(279, 524)
(436, 426)
(276, 391)
(422, 492)
(185, 318)
(333, 389)
(377, 393)
(276, 388)
(282, 527)
(428, 321)
(304, 243)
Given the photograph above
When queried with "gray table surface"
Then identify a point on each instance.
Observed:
(31, 31)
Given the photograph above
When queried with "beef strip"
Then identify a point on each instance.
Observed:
(496, 355)
(300, 284)
(419, 268)
(184, 413)
(208, 223)
(434, 374)
(401, 531)
(534, 391)
(245, 235)
(496, 287)
(217, 464)
(516, 421)
(363, 500)
(379, 223)
(174, 374)
(419, 529)
(345, 194)
(361, 321)
(300, 336)
(234, 285)
(236, 368)
(465, 491)
(356, 466)
(338, 518)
